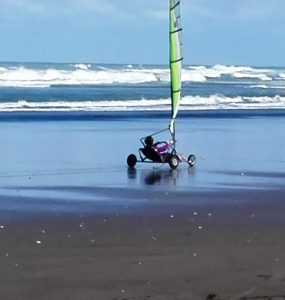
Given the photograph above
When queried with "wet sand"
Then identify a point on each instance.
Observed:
(75, 223)
(163, 249)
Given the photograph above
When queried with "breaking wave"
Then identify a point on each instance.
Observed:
(187, 103)
(90, 74)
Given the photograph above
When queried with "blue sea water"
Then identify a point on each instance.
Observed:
(231, 118)
(49, 87)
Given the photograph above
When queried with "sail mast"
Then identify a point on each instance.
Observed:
(175, 57)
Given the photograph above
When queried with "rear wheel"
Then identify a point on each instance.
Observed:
(131, 160)
(174, 161)
(191, 160)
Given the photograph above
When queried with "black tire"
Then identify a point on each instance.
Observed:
(191, 160)
(131, 160)
(174, 161)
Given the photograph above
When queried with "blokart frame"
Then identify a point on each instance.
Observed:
(170, 155)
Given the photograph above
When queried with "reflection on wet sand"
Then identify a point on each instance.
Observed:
(161, 177)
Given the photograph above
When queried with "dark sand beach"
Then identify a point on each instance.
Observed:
(154, 251)
(76, 225)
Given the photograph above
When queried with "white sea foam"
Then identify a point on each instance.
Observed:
(142, 104)
(262, 77)
(2, 69)
(193, 76)
(206, 72)
(222, 102)
(259, 86)
(187, 103)
(22, 77)
(82, 66)
(234, 71)
(86, 74)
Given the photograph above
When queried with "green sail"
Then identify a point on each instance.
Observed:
(175, 53)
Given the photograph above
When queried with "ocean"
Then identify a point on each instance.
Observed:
(77, 87)
(75, 125)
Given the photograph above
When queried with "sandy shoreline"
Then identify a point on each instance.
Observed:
(76, 224)
(182, 250)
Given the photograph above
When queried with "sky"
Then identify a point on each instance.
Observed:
(229, 32)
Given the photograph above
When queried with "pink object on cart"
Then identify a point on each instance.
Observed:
(161, 147)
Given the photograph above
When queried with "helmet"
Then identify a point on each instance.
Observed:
(148, 141)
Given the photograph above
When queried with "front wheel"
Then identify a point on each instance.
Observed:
(131, 160)
(191, 160)
(174, 161)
